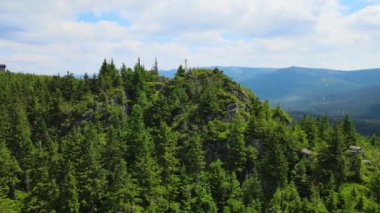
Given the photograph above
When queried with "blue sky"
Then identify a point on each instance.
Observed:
(112, 16)
(355, 5)
(52, 37)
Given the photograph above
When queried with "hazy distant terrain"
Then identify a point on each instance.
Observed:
(316, 91)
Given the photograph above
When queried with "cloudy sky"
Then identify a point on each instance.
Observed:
(50, 37)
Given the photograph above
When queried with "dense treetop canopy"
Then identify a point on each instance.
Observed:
(129, 140)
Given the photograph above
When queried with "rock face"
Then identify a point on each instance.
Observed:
(306, 152)
(232, 109)
(357, 150)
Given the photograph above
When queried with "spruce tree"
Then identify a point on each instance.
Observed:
(252, 192)
(333, 159)
(180, 71)
(168, 151)
(349, 131)
(91, 176)
(155, 67)
(236, 149)
(9, 172)
(144, 165)
(69, 200)
(123, 192)
(19, 141)
(193, 158)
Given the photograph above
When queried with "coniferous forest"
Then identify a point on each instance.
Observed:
(129, 140)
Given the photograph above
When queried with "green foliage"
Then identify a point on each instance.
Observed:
(236, 148)
(334, 160)
(287, 199)
(301, 177)
(68, 201)
(122, 194)
(252, 192)
(193, 154)
(109, 76)
(128, 140)
(180, 71)
(273, 165)
(9, 171)
(225, 188)
(168, 151)
(374, 186)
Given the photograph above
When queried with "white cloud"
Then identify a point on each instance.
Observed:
(47, 37)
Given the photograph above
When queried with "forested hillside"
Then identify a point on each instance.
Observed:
(128, 140)
(301, 91)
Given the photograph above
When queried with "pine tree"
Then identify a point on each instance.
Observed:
(286, 199)
(193, 158)
(349, 131)
(273, 165)
(234, 202)
(43, 195)
(203, 200)
(155, 67)
(91, 176)
(333, 159)
(236, 149)
(252, 192)
(127, 76)
(168, 151)
(19, 141)
(301, 177)
(180, 71)
(9, 172)
(104, 80)
(109, 76)
(324, 128)
(309, 126)
(315, 204)
(330, 194)
(68, 86)
(68, 201)
(144, 165)
(138, 81)
(374, 186)
(219, 184)
(115, 75)
(122, 195)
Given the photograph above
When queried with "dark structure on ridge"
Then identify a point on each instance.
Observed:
(2, 67)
